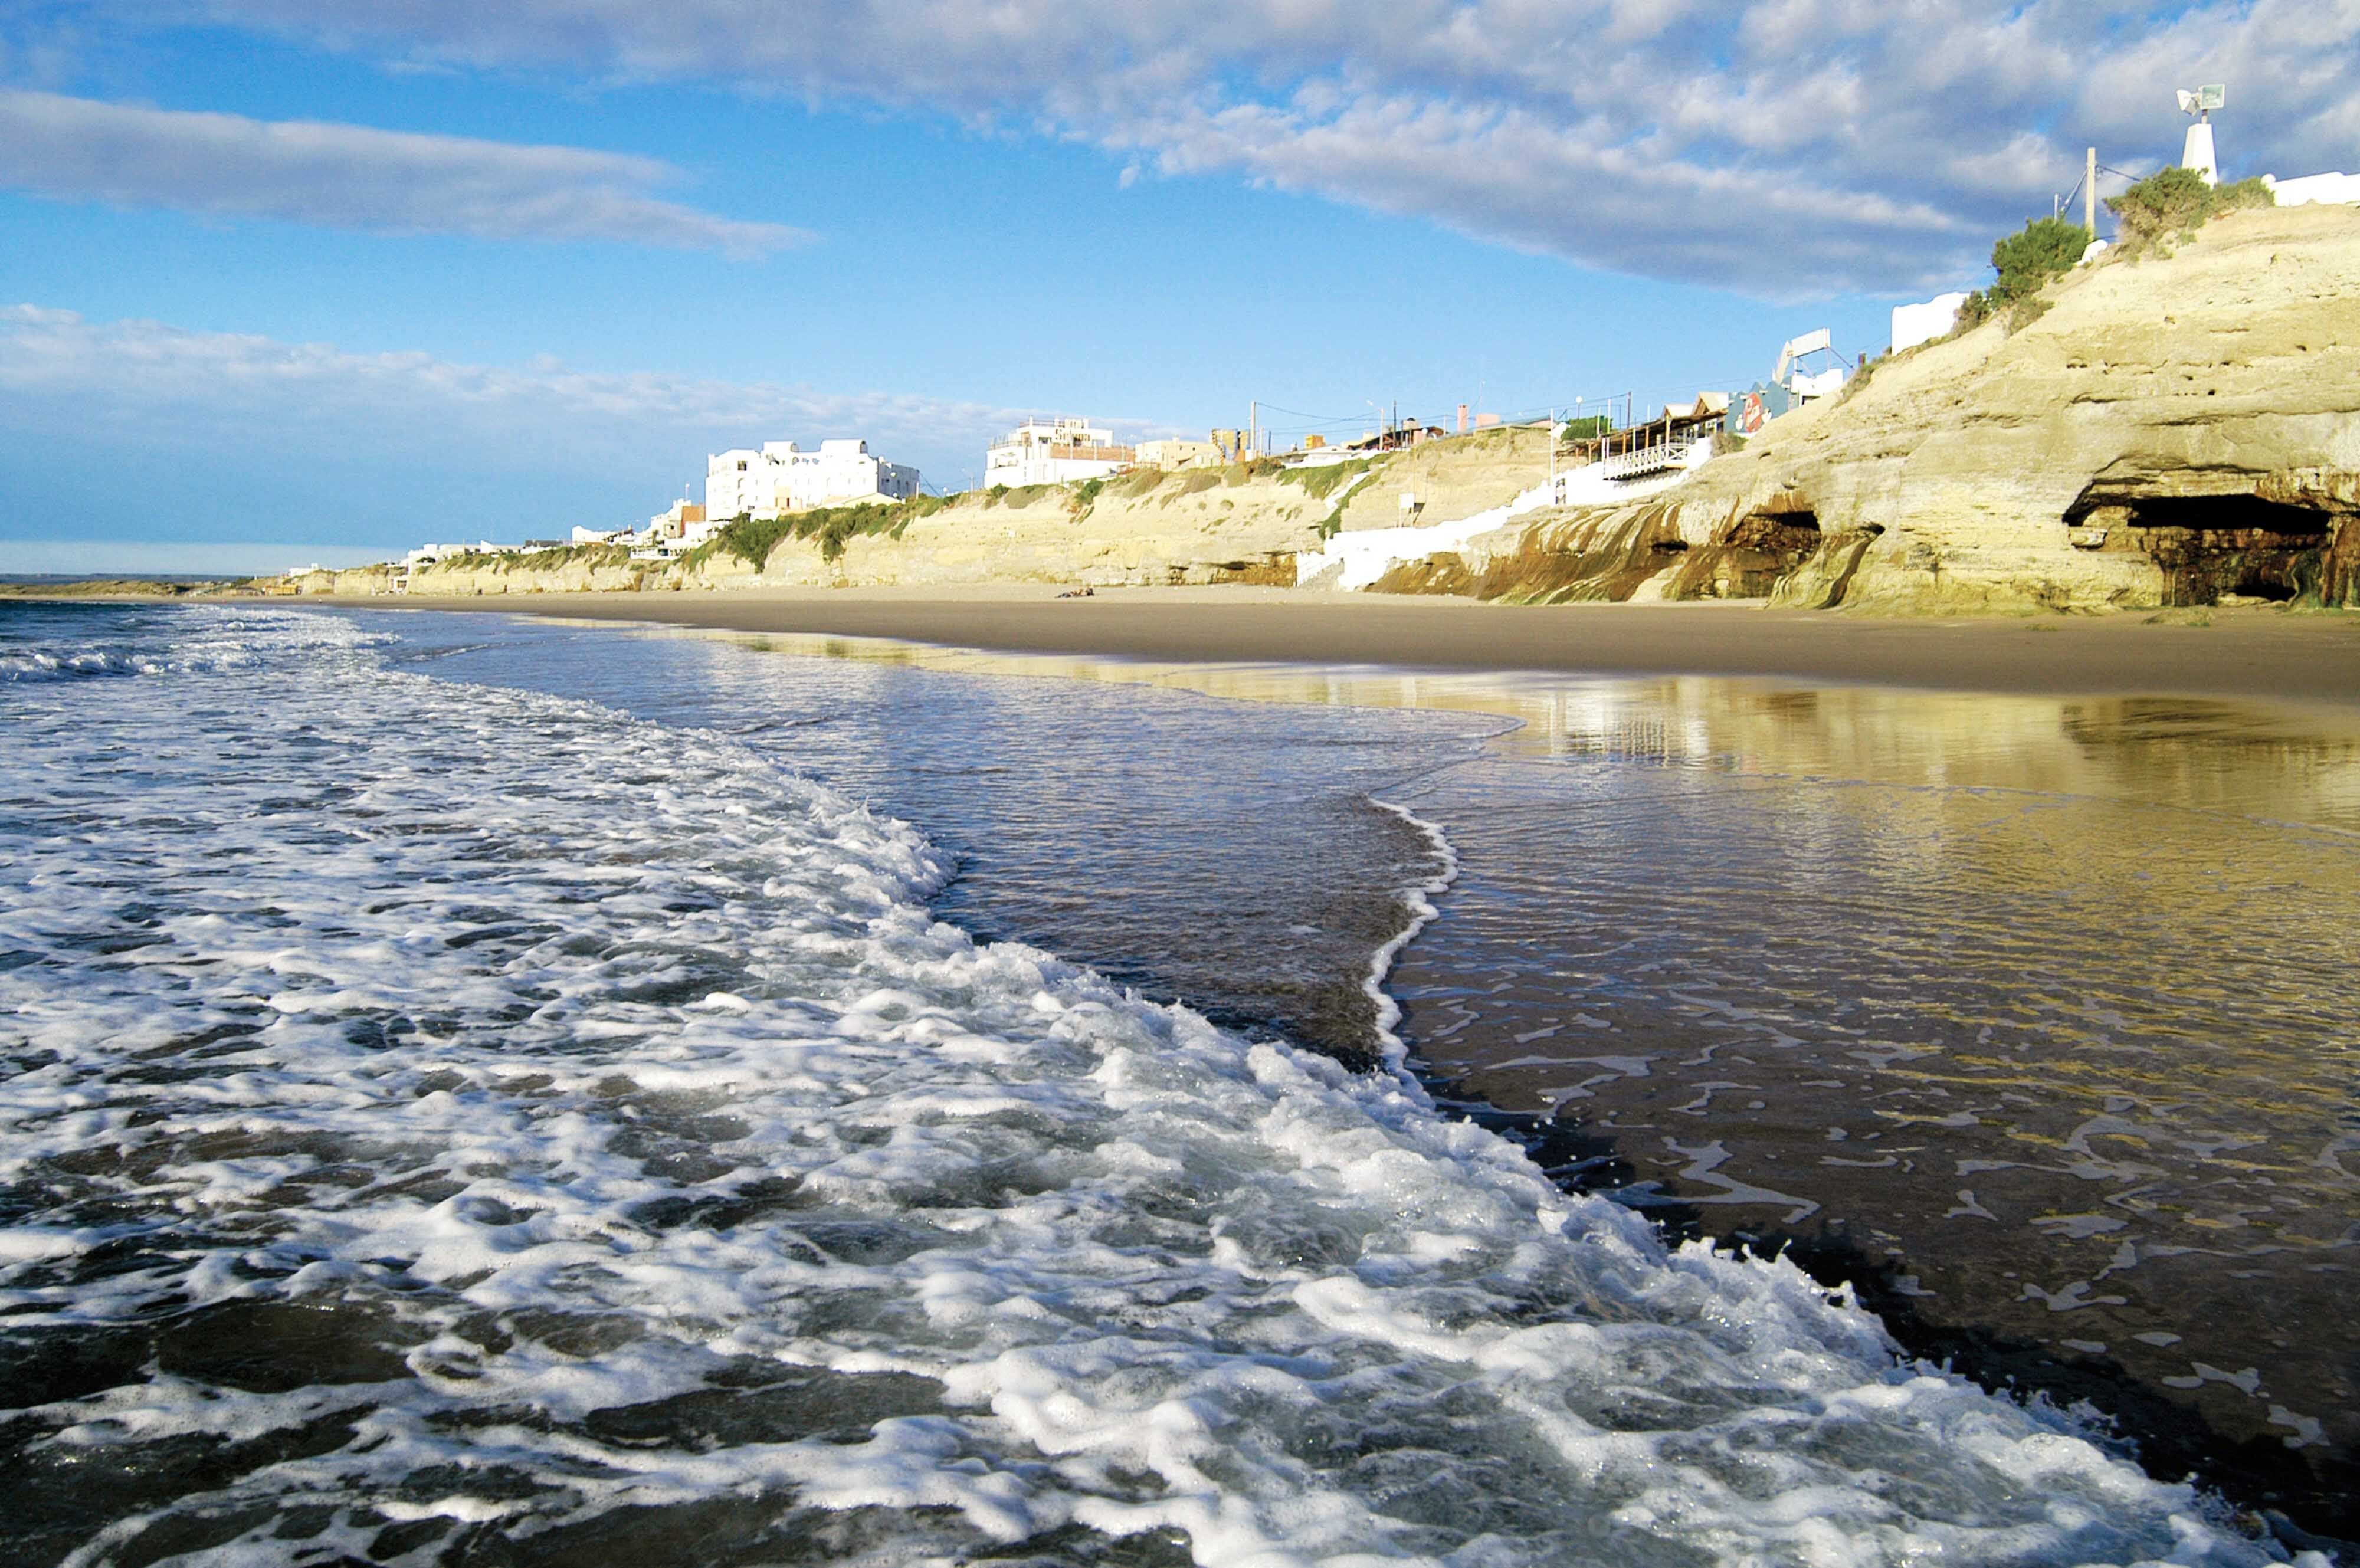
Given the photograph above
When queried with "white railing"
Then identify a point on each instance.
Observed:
(1661, 457)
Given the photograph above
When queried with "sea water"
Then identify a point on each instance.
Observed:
(2030, 1016)
(450, 1122)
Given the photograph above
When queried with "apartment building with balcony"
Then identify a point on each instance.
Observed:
(780, 477)
(1053, 451)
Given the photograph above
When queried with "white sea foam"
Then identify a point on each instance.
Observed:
(587, 1119)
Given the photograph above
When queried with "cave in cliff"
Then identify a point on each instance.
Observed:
(1748, 561)
(2233, 546)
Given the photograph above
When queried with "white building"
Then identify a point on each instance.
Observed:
(1040, 453)
(672, 532)
(744, 482)
(782, 478)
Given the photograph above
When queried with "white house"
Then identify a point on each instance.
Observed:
(1042, 452)
(782, 478)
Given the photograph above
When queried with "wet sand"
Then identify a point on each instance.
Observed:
(2241, 652)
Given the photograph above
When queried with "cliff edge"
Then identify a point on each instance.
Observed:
(2174, 430)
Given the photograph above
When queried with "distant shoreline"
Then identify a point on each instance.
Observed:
(2255, 653)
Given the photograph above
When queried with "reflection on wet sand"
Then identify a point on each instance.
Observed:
(2289, 762)
(2032, 1015)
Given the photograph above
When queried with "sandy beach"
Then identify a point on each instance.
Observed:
(2237, 652)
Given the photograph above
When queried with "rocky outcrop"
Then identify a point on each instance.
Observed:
(2171, 430)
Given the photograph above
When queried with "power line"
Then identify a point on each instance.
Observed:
(1318, 419)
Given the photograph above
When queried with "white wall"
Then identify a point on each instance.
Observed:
(2312, 188)
(1014, 466)
(1915, 324)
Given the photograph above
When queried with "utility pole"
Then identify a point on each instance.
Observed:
(1551, 427)
(2090, 193)
(1254, 427)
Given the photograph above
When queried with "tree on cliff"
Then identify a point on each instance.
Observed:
(2026, 261)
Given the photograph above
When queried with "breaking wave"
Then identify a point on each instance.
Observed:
(447, 1124)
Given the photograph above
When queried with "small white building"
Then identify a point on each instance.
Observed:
(427, 554)
(782, 478)
(1176, 454)
(672, 532)
(1041, 451)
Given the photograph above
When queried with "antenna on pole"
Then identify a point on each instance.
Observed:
(2197, 152)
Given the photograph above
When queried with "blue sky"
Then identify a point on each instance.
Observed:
(330, 277)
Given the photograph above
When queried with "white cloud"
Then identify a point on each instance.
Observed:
(1781, 146)
(232, 425)
(239, 380)
(350, 177)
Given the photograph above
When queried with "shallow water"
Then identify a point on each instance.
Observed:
(2036, 1016)
(2031, 1016)
(449, 1122)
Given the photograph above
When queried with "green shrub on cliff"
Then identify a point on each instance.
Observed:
(2026, 261)
(752, 540)
(2177, 201)
(558, 556)
(1323, 482)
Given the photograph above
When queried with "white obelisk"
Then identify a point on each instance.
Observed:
(2197, 153)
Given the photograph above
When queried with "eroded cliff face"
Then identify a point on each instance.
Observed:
(2173, 430)
(1214, 524)
(592, 570)
(1239, 524)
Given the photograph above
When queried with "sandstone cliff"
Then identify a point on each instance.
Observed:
(1237, 524)
(2172, 431)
